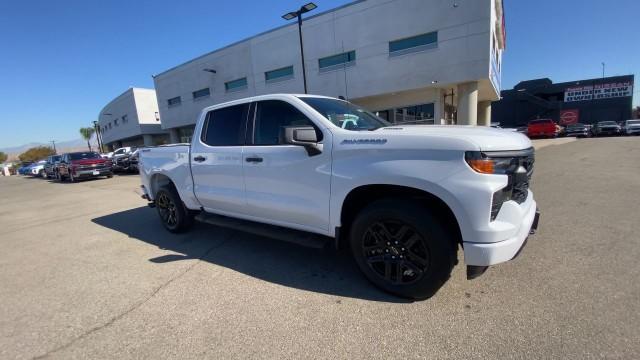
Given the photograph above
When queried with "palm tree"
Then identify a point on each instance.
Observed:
(87, 133)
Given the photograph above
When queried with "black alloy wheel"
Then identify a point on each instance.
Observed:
(402, 247)
(167, 210)
(173, 213)
(395, 251)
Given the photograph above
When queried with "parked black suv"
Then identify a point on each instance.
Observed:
(51, 166)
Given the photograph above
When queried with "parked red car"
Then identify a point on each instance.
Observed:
(542, 128)
(77, 165)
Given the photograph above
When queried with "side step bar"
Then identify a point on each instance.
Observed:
(271, 231)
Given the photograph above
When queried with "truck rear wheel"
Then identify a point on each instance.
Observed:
(401, 248)
(174, 215)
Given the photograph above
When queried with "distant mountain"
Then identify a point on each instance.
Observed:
(62, 146)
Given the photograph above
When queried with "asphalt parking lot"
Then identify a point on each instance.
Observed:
(87, 271)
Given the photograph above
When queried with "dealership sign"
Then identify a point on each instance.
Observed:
(598, 91)
(569, 116)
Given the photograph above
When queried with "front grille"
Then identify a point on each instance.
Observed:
(520, 182)
(91, 167)
(517, 188)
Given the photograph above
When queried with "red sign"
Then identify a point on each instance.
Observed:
(569, 116)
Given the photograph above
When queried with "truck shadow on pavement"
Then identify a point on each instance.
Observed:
(323, 271)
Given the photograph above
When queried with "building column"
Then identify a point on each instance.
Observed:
(174, 137)
(484, 113)
(147, 139)
(468, 103)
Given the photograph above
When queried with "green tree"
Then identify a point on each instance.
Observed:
(3, 157)
(36, 153)
(87, 133)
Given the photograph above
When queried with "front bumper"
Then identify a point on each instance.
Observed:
(487, 254)
(92, 172)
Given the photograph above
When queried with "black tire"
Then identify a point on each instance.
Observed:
(175, 217)
(401, 248)
(109, 175)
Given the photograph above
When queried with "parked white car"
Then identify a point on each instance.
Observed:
(37, 169)
(304, 168)
(631, 127)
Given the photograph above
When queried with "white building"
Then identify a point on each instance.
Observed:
(420, 61)
(132, 119)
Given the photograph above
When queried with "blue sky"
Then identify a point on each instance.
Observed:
(61, 61)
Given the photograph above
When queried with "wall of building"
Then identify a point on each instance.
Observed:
(125, 120)
(377, 79)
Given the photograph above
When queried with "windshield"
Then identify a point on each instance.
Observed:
(84, 155)
(573, 126)
(345, 114)
(633, 122)
(607, 123)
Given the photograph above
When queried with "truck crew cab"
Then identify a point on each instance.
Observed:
(402, 198)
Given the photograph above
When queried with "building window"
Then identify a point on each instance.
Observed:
(109, 126)
(198, 94)
(115, 122)
(337, 61)
(236, 85)
(284, 73)
(174, 101)
(414, 44)
(125, 119)
(418, 114)
(185, 134)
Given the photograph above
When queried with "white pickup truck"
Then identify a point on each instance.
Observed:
(312, 168)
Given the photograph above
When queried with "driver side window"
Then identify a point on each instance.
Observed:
(271, 117)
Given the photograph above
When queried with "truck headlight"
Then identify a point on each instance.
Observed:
(516, 165)
(487, 164)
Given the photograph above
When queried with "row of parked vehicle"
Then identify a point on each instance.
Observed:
(74, 166)
(548, 128)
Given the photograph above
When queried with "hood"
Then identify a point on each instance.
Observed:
(88, 161)
(464, 137)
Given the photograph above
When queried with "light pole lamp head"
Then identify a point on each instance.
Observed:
(308, 7)
(289, 16)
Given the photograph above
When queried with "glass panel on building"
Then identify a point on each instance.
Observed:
(201, 93)
(174, 101)
(414, 43)
(185, 134)
(417, 114)
(279, 74)
(333, 61)
(238, 84)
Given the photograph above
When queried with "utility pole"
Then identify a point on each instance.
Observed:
(55, 152)
(602, 70)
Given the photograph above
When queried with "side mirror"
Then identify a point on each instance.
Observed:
(304, 136)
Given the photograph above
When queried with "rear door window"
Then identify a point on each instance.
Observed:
(226, 126)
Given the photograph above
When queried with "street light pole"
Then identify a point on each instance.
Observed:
(55, 152)
(304, 71)
(288, 16)
(603, 70)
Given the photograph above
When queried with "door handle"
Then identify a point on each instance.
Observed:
(254, 159)
(199, 158)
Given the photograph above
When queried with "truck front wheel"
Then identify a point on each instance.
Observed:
(174, 215)
(402, 248)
